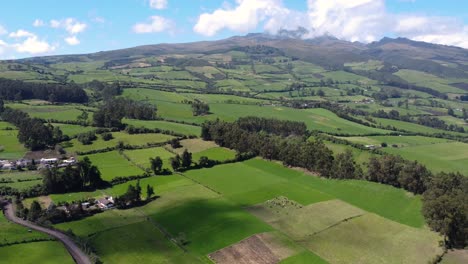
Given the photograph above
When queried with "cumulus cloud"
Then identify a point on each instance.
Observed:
(357, 20)
(158, 4)
(155, 24)
(72, 40)
(38, 23)
(243, 18)
(20, 33)
(71, 25)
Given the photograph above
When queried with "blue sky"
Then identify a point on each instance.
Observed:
(47, 27)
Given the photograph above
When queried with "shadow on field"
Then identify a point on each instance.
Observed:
(210, 224)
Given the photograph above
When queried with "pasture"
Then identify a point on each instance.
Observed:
(112, 165)
(10, 147)
(184, 129)
(11, 232)
(73, 130)
(50, 252)
(20, 180)
(216, 153)
(141, 157)
(373, 239)
(134, 140)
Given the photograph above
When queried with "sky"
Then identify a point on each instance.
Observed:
(50, 27)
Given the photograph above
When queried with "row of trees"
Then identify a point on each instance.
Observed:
(200, 108)
(19, 90)
(445, 196)
(32, 132)
(83, 176)
(110, 114)
(132, 197)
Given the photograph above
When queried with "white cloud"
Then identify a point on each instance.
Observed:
(71, 25)
(158, 4)
(357, 20)
(72, 40)
(155, 25)
(243, 18)
(20, 33)
(33, 45)
(3, 46)
(38, 23)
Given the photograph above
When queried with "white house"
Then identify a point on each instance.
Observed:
(49, 161)
(106, 203)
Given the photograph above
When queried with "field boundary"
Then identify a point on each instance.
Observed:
(329, 227)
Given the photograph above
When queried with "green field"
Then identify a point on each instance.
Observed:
(255, 181)
(216, 153)
(127, 139)
(448, 157)
(112, 165)
(373, 239)
(21, 180)
(411, 127)
(73, 130)
(49, 252)
(141, 157)
(10, 147)
(10, 232)
(57, 112)
(164, 125)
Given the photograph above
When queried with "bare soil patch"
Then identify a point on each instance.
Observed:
(262, 248)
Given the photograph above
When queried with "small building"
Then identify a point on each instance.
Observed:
(106, 203)
(70, 161)
(49, 161)
(370, 146)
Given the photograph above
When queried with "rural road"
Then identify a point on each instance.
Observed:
(78, 255)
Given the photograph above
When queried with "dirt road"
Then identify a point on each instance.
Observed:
(78, 255)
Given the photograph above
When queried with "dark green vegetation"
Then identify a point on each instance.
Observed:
(344, 106)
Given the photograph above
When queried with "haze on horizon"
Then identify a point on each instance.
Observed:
(53, 27)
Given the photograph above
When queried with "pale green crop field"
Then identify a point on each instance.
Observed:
(112, 165)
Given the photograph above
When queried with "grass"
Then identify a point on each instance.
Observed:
(10, 147)
(135, 140)
(57, 112)
(411, 127)
(428, 80)
(304, 257)
(304, 221)
(161, 184)
(254, 181)
(18, 178)
(73, 130)
(141, 156)
(448, 157)
(194, 145)
(164, 125)
(216, 153)
(373, 239)
(148, 246)
(11, 232)
(112, 165)
(50, 252)
(210, 224)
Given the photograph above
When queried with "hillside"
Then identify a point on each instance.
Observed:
(258, 148)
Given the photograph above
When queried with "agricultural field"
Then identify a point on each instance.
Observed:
(20, 180)
(50, 251)
(141, 157)
(134, 140)
(184, 129)
(10, 147)
(73, 130)
(113, 165)
(55, 112)
(217, 153)
(10, 232)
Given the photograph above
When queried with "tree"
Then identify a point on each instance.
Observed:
(205, 162)
(175, 162)
(2, 105)
(186, 159)
(344, 166)
(450, 112)
(149, 192)
(156, 164)
(413, 177)
(83, 117)
(35, 211)
(320, 93)
(200, 108)
(445, 207)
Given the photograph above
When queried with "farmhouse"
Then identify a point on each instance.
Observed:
(106, 203)
(49, 161)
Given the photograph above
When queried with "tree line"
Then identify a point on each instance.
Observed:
(445, 196)
(18, 90)
(83, 176)
(110, 113)
(32, 132)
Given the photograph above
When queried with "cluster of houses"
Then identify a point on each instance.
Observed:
(42, 163)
